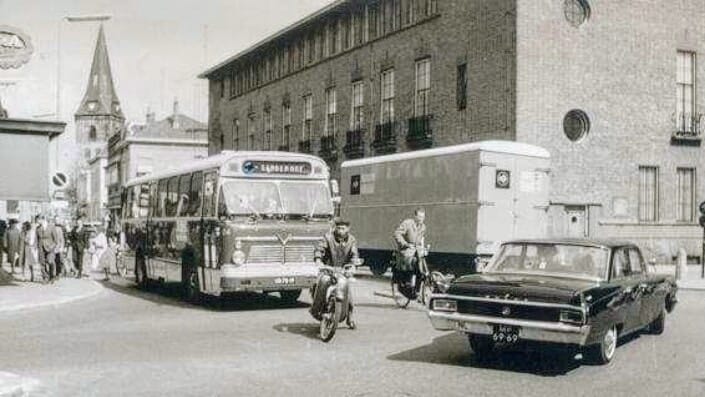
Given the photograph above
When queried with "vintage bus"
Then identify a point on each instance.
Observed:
(233, 222)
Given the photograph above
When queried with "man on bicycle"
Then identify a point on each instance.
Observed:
(338, 248)
(410, 238)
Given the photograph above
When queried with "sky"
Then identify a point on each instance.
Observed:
(157, 49)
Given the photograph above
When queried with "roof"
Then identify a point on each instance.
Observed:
(509, 147)
(26, 126)
(590, 242)
(216, 161)
(100, 98)
(186, 127)
(258, 45)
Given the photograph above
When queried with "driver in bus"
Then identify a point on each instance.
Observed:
(337, 249)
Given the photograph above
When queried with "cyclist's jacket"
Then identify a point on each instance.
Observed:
(407, 236)
(337, 252)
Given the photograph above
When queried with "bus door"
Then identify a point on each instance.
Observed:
(210, 280)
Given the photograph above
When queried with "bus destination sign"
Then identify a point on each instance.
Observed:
(276, 167)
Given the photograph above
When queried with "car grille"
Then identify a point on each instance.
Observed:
(278, 253)
(522, 312)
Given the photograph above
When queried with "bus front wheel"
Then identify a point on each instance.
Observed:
(378, 269)
(192, 288)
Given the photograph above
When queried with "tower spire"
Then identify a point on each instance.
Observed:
(100, 98)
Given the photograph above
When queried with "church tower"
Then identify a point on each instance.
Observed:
(99, 116)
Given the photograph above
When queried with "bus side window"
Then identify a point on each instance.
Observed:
(172, 196)
(161, 210)
(123, 201)
(196, 188)
(183, 197)
(209, 188)
(153, 199)
(143, 201)
(135, 192)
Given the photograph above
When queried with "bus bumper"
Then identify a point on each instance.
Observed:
(267, 277)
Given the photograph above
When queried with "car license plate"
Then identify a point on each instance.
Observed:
(505, 333)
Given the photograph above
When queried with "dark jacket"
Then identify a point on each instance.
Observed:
(337, 253)
(79, 239)
(13, 242)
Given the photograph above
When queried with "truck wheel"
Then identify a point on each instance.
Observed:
(603, 352)
(291, 296)
(657, 326)
(378, 270)
(481, 345)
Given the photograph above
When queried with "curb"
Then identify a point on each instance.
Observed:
(98, 288)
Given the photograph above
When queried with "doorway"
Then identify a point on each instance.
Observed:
(576, 219)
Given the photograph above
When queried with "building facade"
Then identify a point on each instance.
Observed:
(141, 149)
(611, 89)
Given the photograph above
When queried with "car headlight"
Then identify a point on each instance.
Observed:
(571, 317)
(239, 256)
(444, 305)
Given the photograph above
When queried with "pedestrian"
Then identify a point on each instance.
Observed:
(59, 257)
(3, 228)
(13, 244)
(79, 242)
(98, 244)
(47, 242)
(29, 253)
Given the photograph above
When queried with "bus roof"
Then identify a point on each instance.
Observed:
(225, 157)
(509, 147)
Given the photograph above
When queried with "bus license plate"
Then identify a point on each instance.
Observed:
(285, 280)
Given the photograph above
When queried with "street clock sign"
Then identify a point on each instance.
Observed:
(15, 47)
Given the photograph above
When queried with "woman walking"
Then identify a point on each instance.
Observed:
(30, 254)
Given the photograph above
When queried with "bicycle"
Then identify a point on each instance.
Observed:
(418, 284)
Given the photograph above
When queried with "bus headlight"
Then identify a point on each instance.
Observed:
(239, 256)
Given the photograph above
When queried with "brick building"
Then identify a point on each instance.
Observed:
(610, 88)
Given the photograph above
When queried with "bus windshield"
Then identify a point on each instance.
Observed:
(248, 197)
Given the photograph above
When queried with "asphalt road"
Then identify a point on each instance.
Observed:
(126, 342)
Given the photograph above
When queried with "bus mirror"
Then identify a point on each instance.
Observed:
(334, 187)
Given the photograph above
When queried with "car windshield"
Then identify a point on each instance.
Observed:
(262, 198)
(551, 259)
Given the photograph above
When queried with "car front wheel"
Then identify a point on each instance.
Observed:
(604, 350)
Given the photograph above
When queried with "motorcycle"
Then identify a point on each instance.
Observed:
(418, 284)
(331, 304)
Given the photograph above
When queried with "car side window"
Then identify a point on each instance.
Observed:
(620, 264)
(636, 264)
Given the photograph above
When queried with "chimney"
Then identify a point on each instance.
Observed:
(150, 116)
(175, 116)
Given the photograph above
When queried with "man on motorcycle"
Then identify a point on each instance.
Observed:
(410, 237)
(337, 249)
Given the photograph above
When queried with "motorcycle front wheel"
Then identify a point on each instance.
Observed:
(330, 318)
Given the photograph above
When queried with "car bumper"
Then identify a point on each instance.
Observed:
(528, 330)
(267, 277)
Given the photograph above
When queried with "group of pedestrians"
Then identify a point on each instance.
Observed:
(43, 250)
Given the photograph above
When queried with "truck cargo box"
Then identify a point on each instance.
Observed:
(475, 195)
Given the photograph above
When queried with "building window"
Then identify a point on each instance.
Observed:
(372, 18)
(685, 91)
(345, 31)
(308, 118)
(408, 10)
(357, 119)
(286, 126)
(236, 134)
(387, 97)
(648, 194)
(358, 28)
(685, 196)
(92, 133)
(461, 92)
(423, 87)
(576, 11)
(576, 124)
(331, 112)
(267, 123)
(333, 38)
(251, 132)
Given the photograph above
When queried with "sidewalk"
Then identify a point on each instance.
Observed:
(689, 281)
(20, 295)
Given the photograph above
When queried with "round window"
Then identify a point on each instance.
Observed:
(576, 124)
(576, 11)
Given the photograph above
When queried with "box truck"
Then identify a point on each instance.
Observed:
(475, 196)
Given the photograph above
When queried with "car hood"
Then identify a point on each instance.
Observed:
(523, 287)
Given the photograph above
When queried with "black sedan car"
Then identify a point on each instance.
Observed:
(575, 292)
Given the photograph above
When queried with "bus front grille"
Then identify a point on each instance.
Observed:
(278, 253)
